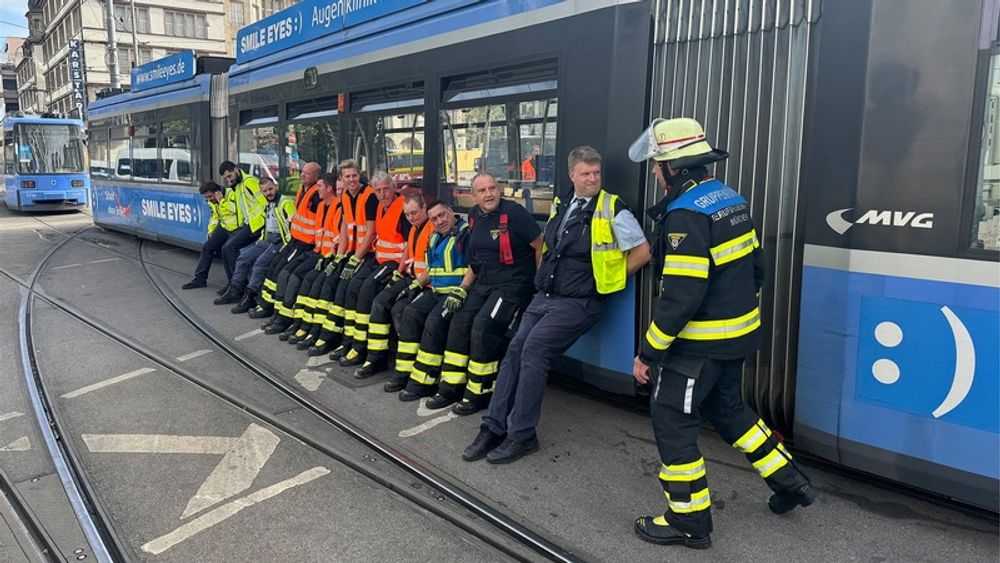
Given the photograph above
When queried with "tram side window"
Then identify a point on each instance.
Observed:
(144, 156)
(100, 163)
(986, 214)
(312, 136)
(119, 150)
(391, 143)
(258, 143)
(175, 152)
(513, 141)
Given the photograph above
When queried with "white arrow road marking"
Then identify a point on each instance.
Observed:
(10, 415)
(237, 470)
(214, 516)
(310, 379)
(193, 355)
(107, 382)
(158, 444)
(22, 444)
(250, 334)
(422, 409)
(410, 432)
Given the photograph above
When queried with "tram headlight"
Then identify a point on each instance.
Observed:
(76, 183)
(27, 184)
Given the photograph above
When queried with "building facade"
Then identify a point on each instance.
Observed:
(64, 60)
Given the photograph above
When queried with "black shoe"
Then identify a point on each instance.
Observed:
(222, 290)
(306, 343)
(299, 335)
(407, 395)
(279, 325)
(369, 369)
(780, 503)
(319, 348)
(485, 442)
(664, 534)
(512, 450)
(232, 295)
(337, 354)
(289, 331)
(194, 284)
(440, 401)
(352, 358)
(260, 312)
(465, 407)
(248, 302)
(394, 385)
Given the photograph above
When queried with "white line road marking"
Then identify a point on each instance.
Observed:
(310, 379)
(250, 334)
(107, 382)
(22, 444)
(10, 415)
(410, 432)
(66, 266)
(213, 517)
(104, 260)
(317, 361)
(237, 470)
(192, 355)
(158, 444)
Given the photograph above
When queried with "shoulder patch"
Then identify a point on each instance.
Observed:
(675, 239)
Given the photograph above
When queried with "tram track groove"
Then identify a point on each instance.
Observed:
(90, 514)
(508, 525)
(426, 496)
(30, 524)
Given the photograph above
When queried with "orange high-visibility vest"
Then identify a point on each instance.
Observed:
(390, 245)
(355, 221)
(417, 243)
(304, 221)
(328, 235)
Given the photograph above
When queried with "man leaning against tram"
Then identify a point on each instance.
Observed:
(591, 244)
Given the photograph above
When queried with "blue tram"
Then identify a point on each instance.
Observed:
(863, 134)
(43, 163)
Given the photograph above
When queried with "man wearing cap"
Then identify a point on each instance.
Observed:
(705, 323)
(591, 244)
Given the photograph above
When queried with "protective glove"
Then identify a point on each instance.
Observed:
(320, 263)
(412, 291)
(396, 276)
(456, 298)
(331, 265)
(351, 268)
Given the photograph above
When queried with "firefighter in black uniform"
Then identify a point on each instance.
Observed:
(502, 246)
(705, 323)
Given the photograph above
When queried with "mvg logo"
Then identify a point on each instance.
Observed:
(912, 219)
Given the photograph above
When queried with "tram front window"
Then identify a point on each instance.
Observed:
(986, 218)
(392, 143)
(515, 142)
(49, 149)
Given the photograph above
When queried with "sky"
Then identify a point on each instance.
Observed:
(12, 21)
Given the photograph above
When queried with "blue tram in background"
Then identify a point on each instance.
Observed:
(43, 163)
(863, 134)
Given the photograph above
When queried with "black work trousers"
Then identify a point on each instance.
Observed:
(477, 340)
(549, 326)
(687, 389)
(290, 280)
(370, 287)
(346, 298)
(238, 238)
(419, 315)
(213, 244)
(387, 310)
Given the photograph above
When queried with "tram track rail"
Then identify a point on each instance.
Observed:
(428, 489)
(507, 525)
(13, 504)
